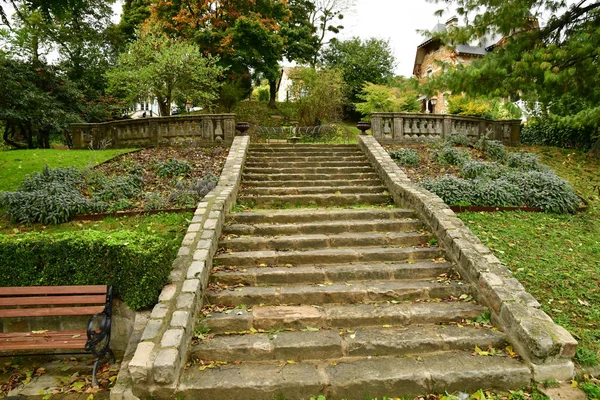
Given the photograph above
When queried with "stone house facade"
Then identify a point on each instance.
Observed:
(433, 50)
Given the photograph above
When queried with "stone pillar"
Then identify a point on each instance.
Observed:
(154, 132)
(229, 127)
(376, 122)
(77, 135)
(515, 132)
(208, 129)
(398, 132)
(447, 126)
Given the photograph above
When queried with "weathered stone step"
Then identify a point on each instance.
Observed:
(331, 183)
(331, 316)
(309, 177)
(333, 171)
(299, 149)
(320, 241)
(314, 216)
(277, 223)
(290, 190)
(328, 256)
(334, 344)
(326, 199)
(330, 273)
(342, 293)
(356, 379)
(292, 161)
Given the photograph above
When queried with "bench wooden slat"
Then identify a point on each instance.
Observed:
(48, 340)
(52, 300)
(44, 345)
(25, 335)
(50, 312)
(60, 290)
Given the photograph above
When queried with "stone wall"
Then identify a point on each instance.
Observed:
(415, 128)
(547, 347)
(162, 350)
(194, 130)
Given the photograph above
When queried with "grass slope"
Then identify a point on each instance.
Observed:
(15, 165)
(556, 257)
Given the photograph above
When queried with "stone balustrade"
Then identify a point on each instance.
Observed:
(415, 128)
(193, 130)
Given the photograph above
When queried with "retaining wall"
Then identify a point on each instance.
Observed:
(546, 346)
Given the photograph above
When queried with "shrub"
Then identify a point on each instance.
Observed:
(546, 132)
(495, 150)
(50, 197)
(188, 195)
(154, 201)
(452, 190)
(173, 167)
(497, 193)
(452, 156)
(525, 162)
(547, 191)
(481, 169)
(408, 157)
(137, 265)
(120, 187)
(120, 205)
(458, 139)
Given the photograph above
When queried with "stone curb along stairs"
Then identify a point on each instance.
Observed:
(547, 347)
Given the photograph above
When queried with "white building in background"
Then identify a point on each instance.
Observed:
(284, 92)
(145, 109)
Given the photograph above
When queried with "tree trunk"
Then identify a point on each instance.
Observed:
(272, 92)
(6, 136)
(164, 106)
(595, 150)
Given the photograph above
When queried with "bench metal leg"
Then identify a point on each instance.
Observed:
(94, 371)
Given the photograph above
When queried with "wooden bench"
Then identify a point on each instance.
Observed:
(59, 301)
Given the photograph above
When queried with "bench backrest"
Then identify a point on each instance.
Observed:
(51, 301)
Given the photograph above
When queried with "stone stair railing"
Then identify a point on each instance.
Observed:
(192, 130)
(414, 128)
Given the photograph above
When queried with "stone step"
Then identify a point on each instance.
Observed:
(334, 344)
(313, 216)
(309, 177)
(290, 190)
(305, 162)
(342, 293)
(308, 155)
(333, 171)
(356, 379)
(299, 149)
(328, 256)
(320, 241)
(331, 183)
(277, 223)
(332, 316)
(326, 199)
(322, 274)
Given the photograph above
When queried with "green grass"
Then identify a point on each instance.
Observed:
(165, 225)
(556, 257)
(15, 165)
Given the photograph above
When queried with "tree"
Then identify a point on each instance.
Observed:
(135, 13)
(322, 17)
(554, 67)
(361, 62)
(156, 65)
(380, 98)
(319, 95)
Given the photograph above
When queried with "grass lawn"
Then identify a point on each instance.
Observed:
(16, 164)
(556, 257)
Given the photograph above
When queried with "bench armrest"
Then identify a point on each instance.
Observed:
(99, 327)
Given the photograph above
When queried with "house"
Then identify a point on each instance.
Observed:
(284, 86)
(433, 50)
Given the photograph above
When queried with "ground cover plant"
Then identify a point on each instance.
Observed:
(151, 179)
(486, 174)
(556, 256)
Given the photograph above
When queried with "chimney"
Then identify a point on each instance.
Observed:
(452, 23)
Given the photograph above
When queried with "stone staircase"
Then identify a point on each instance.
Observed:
(352, 301)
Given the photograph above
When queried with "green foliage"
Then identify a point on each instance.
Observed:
(586, 357)
(493, 149)
(171, 70)
(481, 169)
(497, 193)
(457, 139)
(154, 201)
(471, 107)
(121, 187)
(263, 94)
(379, 98)
(452, 190)
(524, 161)
(548, 132)
(318, 94)
(189, 194)
(591, 389)
(451, 155)
(173, 167)
(547, 191)
(137, 265)
(49, 197)
(361, 62)
(407, 157)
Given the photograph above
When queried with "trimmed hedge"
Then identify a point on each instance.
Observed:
(137, 265)
(545, 132)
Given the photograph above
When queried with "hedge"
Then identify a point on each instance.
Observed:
(546, 132)
(137, 265)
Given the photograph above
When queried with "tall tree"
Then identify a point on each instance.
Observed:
(554, 66)
(361, 62)
(324, 16)
(156, 65)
